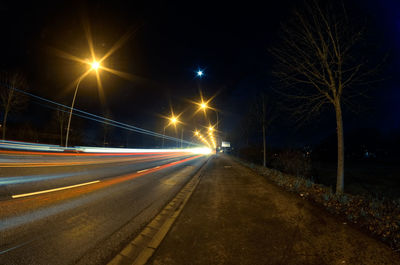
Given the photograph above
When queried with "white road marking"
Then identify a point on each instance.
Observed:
(15, 247)
(140, 171)
(51, 190)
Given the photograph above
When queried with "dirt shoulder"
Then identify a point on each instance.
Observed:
(236, 216)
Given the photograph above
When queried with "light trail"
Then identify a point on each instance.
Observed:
(28, 203)
(31, 208)
(91, 162)
(28, 148)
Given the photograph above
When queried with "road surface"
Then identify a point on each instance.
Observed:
(63, 208)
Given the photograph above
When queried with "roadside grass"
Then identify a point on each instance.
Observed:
(367, 178)
(379, 215)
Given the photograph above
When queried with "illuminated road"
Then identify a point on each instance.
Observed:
(66, 208)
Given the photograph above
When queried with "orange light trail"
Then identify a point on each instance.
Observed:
(23, 204)
(90, 162)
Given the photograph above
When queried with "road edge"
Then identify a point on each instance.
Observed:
(143, 246)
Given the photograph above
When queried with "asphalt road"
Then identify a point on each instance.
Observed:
(81, 208)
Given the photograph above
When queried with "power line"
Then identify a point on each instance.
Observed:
(97, 118)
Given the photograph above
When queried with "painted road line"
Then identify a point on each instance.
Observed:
(144, 170)
(51, 190)
(15, 247)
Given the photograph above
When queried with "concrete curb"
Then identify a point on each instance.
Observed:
(140, 250)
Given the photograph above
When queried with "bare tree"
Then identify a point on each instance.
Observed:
(10, 98)
(319, 65)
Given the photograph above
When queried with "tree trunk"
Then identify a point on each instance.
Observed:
(340, 151)
(263, 128)
(265, 147)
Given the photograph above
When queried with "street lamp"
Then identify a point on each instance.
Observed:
(95, 65)
(204, 106)
(172, 120)
(200, 73)
(197, 133)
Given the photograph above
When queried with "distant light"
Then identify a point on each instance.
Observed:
(203, 105)
(200, 73)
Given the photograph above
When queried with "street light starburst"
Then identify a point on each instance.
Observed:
(95, 65)
(95, 62)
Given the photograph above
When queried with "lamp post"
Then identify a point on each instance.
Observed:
(94, 66)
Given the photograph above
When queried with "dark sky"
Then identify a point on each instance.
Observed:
(168, 42)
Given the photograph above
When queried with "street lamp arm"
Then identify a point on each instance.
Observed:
(72, 107)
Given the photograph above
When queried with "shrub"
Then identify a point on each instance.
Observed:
(292, 162)
(309, 183)
(326, 196)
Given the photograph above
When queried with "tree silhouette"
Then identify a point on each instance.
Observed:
(318, 63)
(10, 99)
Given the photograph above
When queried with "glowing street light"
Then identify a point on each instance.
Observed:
(95, 65)
(200, 73)
(173, 120)
(197, 133)
(203, 105)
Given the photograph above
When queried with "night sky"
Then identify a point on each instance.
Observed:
(168, 42)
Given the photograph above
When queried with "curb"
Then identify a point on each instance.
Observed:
(140, 249)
